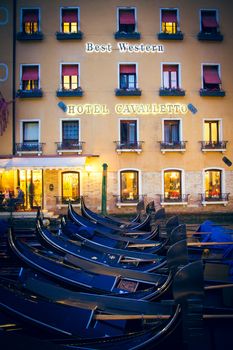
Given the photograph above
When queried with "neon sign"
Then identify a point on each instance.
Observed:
(127, 109)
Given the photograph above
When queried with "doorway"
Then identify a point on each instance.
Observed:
(31, 183)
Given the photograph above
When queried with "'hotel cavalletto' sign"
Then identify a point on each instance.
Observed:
(127, 109)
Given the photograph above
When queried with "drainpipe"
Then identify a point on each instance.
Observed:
(104, 190)
(14, 76)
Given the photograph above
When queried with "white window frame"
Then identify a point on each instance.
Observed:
(30, 8)
(220, 122)
(177, 16)
(4, 9)
(59, 206)
(70, 63)
(70, 8)
(179, 82)
(129, 64)
(204, 9)
(22, 121)
(79, 133)
(21, 73)
(209, 64)
(120, 204)
(5, 66)
(119, 134)
(223, 185)
(182, 185)
(180, 127)
(127, 8)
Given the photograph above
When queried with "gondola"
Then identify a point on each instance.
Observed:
(88, 276)
(89, 214)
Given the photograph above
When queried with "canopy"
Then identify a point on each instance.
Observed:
(127, 17)
(211, 75)
(42, 162)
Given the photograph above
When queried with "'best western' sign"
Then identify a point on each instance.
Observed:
(127, 109)
(124, 47)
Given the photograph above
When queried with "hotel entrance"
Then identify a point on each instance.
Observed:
(31, 183)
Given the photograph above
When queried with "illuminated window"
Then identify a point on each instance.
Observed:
(172, 184)
(70, 187)
(30, 77)
(169, 21)
(127, 20)
(70, 20)
(129, 185)
(213, 183)
(211, 77)
(209, 22)
(70, 77)
(171, 131)
(211, 131)
(170, 76)
(128, 129)
(30, 21)
(128, 76)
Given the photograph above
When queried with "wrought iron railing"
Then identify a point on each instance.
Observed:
(176, 145)
(29, 147)
(213, 145)
(69, 146)
(214, 197)
(174, 198)
(136, 145)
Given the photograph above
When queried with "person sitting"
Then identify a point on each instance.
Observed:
(17, 201)
(6, 194)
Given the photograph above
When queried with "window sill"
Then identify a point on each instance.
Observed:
(129, 150)
(166, 36)
(125, 35)
(123, 204)
(204, 203)
(181, 150)
(171, 92)
(125, 92)
(211, 93)
(69, 93)
(29, 93)
(60, 152)
(27, 37)
(69, 36)
(213, 150)
(20, 153)
(174, 203)
(209, 36)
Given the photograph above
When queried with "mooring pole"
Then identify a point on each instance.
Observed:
(104, 190)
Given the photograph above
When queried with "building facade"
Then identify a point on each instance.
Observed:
(143, 88)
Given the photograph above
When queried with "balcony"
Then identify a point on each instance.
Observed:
(128, 200)
(171, 92)
(128, 146)
(213, 146)
(176, 146)
(128, 92)
(64, 201)
(128, 36)
(29, 148)
(167, 36)
(69, 147)
(203, 36)
(70, 92)
(21, 36)
(174, 198)
(69, 36)
(212, 93)
(35, 93)
(214, 198)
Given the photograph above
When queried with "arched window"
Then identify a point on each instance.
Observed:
(213, 183)
(70, 187)
(172, 185)
(129, 186)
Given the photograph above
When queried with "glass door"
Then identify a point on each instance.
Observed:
(31, 183)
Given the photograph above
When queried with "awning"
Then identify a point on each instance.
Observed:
(127, 17)
(70, 16)
(42, 162)
(211, 75)
(209, 22)
(169, 16)
(69, 69)
(127, 69)
(30, 73)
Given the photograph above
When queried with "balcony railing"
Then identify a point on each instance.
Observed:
(29, 93)
(174, 197)
(213, 146)
(69, 146)
(212, 93)
(171, 92)
(210, 36)
(167, 36)
(174, 146)
(214, 197)
(70, 92)
(129, 199)
(29, 147)
(135, 146)
(21, 36)
(62, 200)
(129, 36)
(128, 92)
(69, 36)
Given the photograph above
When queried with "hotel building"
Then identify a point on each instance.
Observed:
(144, 87)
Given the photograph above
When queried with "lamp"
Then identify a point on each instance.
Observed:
(88, 169)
